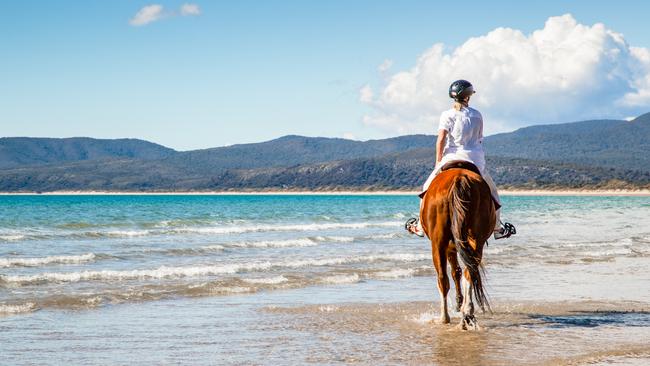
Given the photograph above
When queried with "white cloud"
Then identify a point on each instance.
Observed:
(365, 94)
(385, 65)
(147, 14)
(190, 9)
(155, 12)
(565, 71)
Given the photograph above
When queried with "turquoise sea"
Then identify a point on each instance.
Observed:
(319, 279)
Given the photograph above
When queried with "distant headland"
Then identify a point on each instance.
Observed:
(598, 155)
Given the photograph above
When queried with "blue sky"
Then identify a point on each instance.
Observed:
(248, 71)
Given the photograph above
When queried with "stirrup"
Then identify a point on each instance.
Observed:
(411, 226)
(507, 230)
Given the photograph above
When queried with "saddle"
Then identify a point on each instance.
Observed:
(462, 164)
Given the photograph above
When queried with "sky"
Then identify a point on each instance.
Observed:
(199, 74)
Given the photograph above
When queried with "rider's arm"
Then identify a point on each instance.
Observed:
(440, 144)
(480, 137)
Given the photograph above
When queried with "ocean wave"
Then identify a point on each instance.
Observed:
(260, 244)
(494, 249)
(40, 261)
(341, 279)
(198, 230)
(123, 275)
(600, 252)
(264, 228)
(606, 252)
(219, 287)
(267, 280)
(204, 270)
(287, 243)
(384, 236)
(396, 273)
(190, 251)
(335, 239)
(11, 237)
(121, 233)
(231, 290)
(306, 242)
(8, 309)
(301, 242)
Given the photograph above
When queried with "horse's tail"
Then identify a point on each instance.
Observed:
(460, 199)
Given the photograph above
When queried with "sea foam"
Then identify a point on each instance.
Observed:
(6, 309)
(202, 270)
(267, 280)
(40, 261)
(396, 273)
(341, 279)
(12, 237)
(296, 227)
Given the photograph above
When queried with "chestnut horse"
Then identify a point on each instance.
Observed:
(458, 216)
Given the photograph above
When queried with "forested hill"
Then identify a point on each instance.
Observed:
(27, 151)
(602, 153)
(294, 150)
(608, 143)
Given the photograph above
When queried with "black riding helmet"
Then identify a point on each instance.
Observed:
(460, 89)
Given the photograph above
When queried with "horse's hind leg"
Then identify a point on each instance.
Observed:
(469, 320)
(456, 272)
(439, 251)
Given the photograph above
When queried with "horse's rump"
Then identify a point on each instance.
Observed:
(461, 164)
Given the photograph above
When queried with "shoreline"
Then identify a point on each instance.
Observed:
(504, 192)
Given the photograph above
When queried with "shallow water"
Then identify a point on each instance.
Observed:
(312, 279)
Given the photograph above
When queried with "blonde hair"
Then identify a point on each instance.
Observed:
(458, 105)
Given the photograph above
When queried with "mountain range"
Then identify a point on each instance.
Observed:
(587, 154)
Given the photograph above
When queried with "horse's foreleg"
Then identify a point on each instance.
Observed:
(456, 272)
(440, 262)
(468, 321)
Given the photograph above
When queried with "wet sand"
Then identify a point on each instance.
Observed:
(368, 323)
(522, 333)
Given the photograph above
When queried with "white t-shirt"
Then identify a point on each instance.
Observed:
(465, 136)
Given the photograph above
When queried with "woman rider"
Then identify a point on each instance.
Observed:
(460, 137)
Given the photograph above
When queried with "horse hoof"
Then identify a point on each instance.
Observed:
(445, 319)
(469, 323)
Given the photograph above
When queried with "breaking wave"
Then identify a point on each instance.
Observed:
(233, 285)
(342, 279)
(204, 270)
(40, 261)
(8, 309)
(11, 237)
(267, 280)
(199, 230)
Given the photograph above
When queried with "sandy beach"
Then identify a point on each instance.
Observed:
(505, 192)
